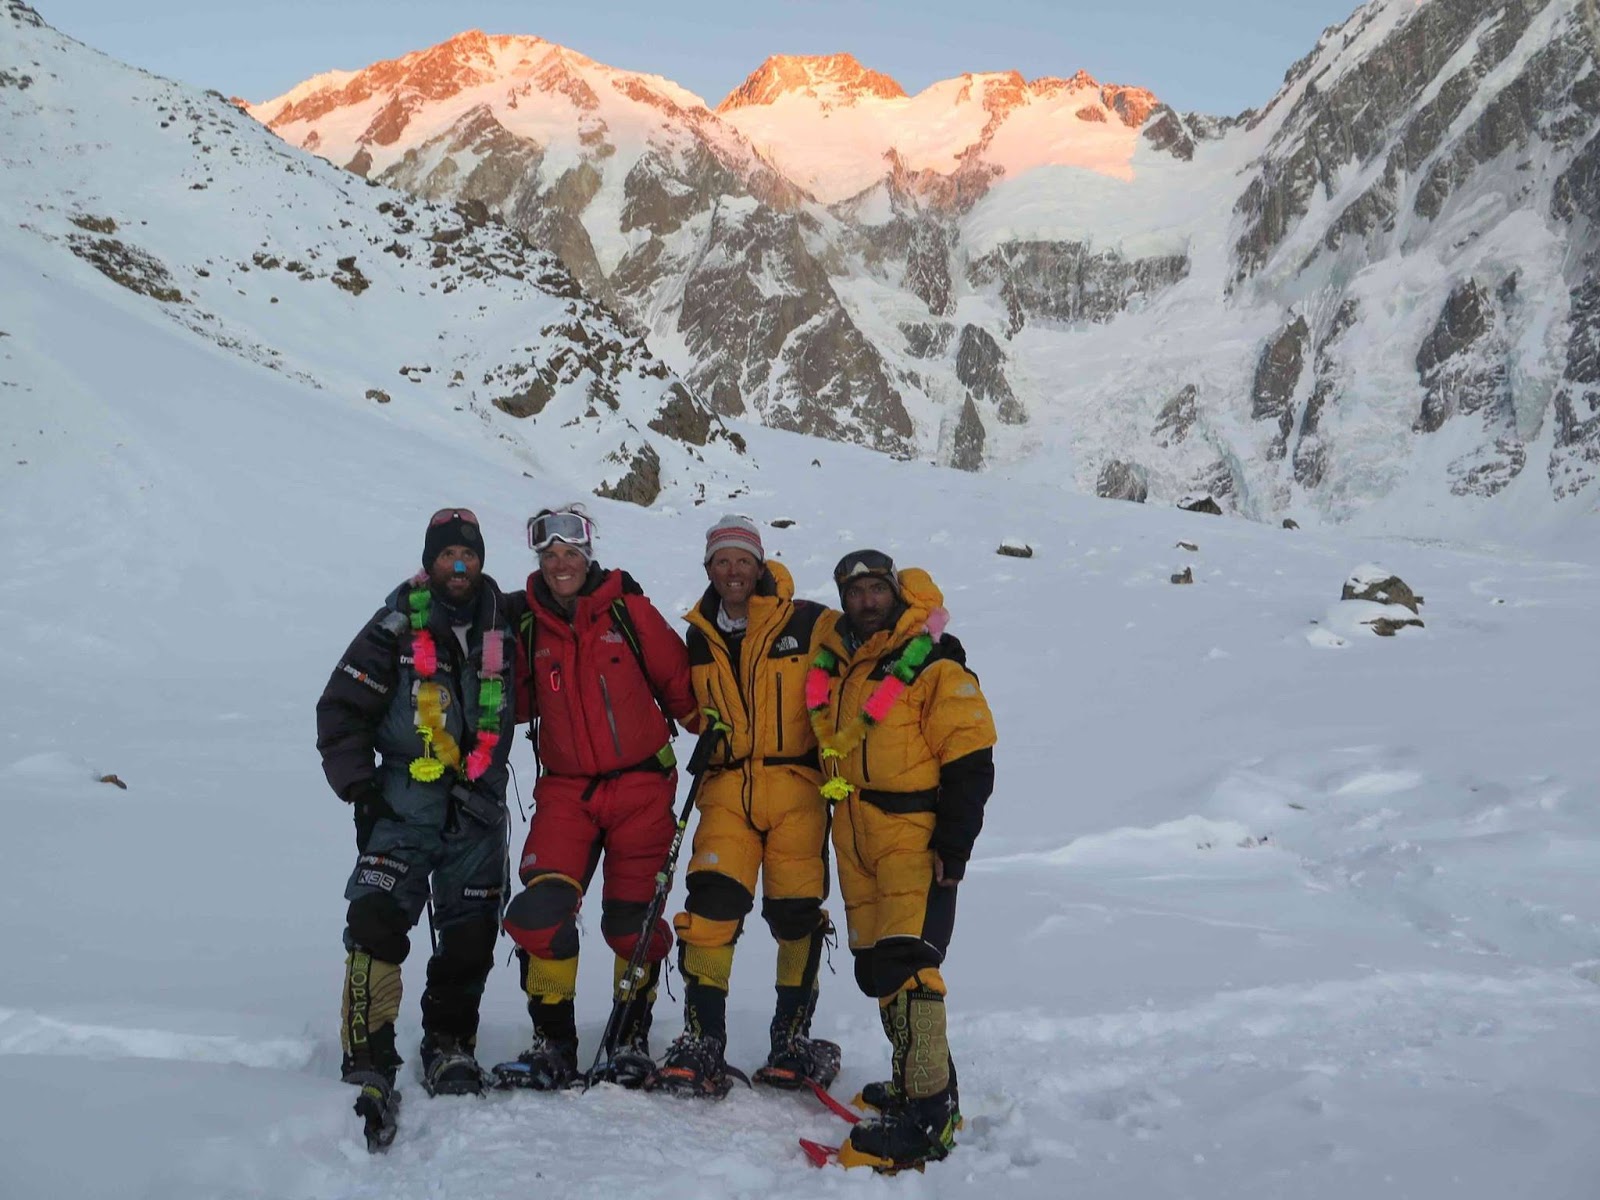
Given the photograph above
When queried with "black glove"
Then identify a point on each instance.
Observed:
(370, 808)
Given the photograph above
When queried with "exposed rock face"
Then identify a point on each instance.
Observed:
(966, 446)
(1177, 417)
(1311, 450)
(1576, 458)
(1122, 481)
(1451, 380)
(1462, 365)
(1277, 377)
(1351, 120)
(980, 365)
(1069, 281)
(642, 482)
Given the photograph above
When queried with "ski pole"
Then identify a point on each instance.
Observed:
(634, 975)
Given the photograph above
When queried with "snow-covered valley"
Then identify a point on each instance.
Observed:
(1266, 905)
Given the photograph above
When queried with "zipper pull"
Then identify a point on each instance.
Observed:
(555, 679)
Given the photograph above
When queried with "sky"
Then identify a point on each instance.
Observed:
(1220, 57)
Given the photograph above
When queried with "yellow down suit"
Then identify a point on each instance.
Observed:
(760, 807)
(920, 771)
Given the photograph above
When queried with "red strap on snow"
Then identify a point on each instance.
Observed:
(819, 1154)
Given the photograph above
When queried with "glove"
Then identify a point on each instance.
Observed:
(370, 808)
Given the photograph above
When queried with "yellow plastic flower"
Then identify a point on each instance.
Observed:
(836, 789)
(426, 770)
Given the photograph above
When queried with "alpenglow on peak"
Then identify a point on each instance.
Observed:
(833, 78)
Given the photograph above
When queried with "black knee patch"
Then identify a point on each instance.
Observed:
(547, 912)
(791, 920)
(863, 972)
(378, 924)
(717, 897)
(619, 918)
(897, 960)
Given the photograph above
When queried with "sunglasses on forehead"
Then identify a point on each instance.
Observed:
(863, 562)
(570, 528)
(453, 514)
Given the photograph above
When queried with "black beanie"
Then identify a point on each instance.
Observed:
(454, 530)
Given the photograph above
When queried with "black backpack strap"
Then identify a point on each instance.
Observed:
(630, 634)
(526, 626)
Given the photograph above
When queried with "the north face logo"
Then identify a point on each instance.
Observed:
(787, 644)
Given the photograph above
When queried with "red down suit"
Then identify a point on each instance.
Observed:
(602, 785)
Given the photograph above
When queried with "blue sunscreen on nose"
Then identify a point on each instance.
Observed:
(460, 567)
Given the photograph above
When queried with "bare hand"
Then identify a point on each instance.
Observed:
(938, 873)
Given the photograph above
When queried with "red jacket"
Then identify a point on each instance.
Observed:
(597, 712)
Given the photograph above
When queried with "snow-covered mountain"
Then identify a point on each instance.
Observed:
(234, 250)
(1375, 289)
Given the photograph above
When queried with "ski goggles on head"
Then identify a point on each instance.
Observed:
(863, 562)
(570, 528)
(445, 515)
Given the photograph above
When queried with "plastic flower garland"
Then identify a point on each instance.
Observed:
(834, 746)
(439, 750)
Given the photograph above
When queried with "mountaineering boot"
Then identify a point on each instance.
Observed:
(378, 1105)
(448, 1066)
(909, 1135)
(919, 1108)
(693, 1066)
(551, 1062)
(628, 1063)
(883, 1095)
(796, 1058)
(371, 1002)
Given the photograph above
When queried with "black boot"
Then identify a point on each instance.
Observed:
(693, 1066)
(551, 1062)
(372, 1070)
(908, 1135)
(797, 1059)
(448, 1066)
(629, 1064)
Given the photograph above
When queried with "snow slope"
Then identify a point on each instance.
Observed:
(1255, 913)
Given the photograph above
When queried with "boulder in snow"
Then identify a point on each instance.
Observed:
(1371, 582)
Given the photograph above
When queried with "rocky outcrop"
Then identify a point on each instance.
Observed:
(1120, 480)
(1277, 376)
(966, 444)
(1453, 376)
(642, 482)
(1575, 460)
(1168, 131)
(1311, 448)
(738, 328)
(1176, 418)
(1071, 282)
(980, 366)
(1351, 121)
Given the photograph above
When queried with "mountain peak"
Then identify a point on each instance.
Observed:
(835, 79)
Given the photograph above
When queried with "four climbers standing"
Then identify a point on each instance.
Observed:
(867, 718)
